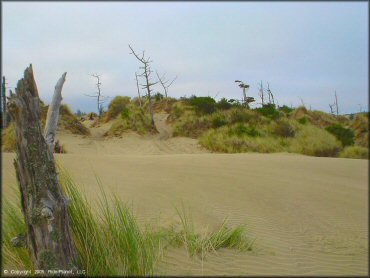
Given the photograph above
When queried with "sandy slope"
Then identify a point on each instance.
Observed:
(309, 215)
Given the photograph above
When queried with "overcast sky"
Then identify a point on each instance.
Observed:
(305, 50)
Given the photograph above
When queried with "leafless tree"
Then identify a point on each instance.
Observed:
(147, 76)
(271, 96)
(334, 105)
(165, 83)
(138, 89)
(100, 99)
(261, 93)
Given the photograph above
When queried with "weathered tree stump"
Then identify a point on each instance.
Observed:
(44, 207)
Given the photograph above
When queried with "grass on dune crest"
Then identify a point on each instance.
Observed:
(108, 238)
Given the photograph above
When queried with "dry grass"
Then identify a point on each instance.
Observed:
(8, 139)
(355, 152)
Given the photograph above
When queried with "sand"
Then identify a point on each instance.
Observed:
(309, 215)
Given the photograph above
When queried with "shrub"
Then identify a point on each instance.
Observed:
(115, 107)
(242, 115)
(70, 122)
(355, 152)
(286, 109)
(269, 111)
(158, 96)
(203, 105)
(218, 120)
(284, 128)
(222, 140)
(241, 130)
(303, 120)
(311, 140)
(344, 135)
(224, 104)
(132, 118)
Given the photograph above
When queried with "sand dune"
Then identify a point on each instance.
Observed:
(309, 215)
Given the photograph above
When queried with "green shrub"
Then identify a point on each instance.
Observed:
(158, 96)
(344, 135)
(132, 118)
(241, 130)
(355, 152)
(286, 109)
(303, 120)
(218, 120)
(203, 105)
(224, 104)
(223, 140)
(269, 111)
(284, 128)
(125, 113)
(314, 141)
(115, 107)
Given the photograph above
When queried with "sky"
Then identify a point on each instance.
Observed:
(304, 50)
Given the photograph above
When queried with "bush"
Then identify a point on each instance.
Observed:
(158, 96)
(344, 135)
(203, 105)
(287, 110)
(70, 122)
(303, 120)
(241, 130)
(311, 140)
(355, 152)
(132, 118)
(223, 140)
(269, 111)
(284, 128)
(115, 107)
(224, 104)
(218, 120)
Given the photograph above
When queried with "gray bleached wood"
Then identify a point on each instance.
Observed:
(53, 114)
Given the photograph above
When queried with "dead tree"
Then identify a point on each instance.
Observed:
(147, 76)
(44, 207)
(331, 108)
(165, 83)
(336, 103)
(53, 113)
(261, 93)
(138, 89)
(100, 99)
(271, 96)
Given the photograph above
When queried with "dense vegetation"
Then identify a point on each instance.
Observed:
(227, 126)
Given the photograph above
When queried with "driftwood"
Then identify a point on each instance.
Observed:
(44, 207)
(53, 114)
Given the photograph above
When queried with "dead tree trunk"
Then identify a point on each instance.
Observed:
(138, 89)
(53, 114)
(44, 207)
